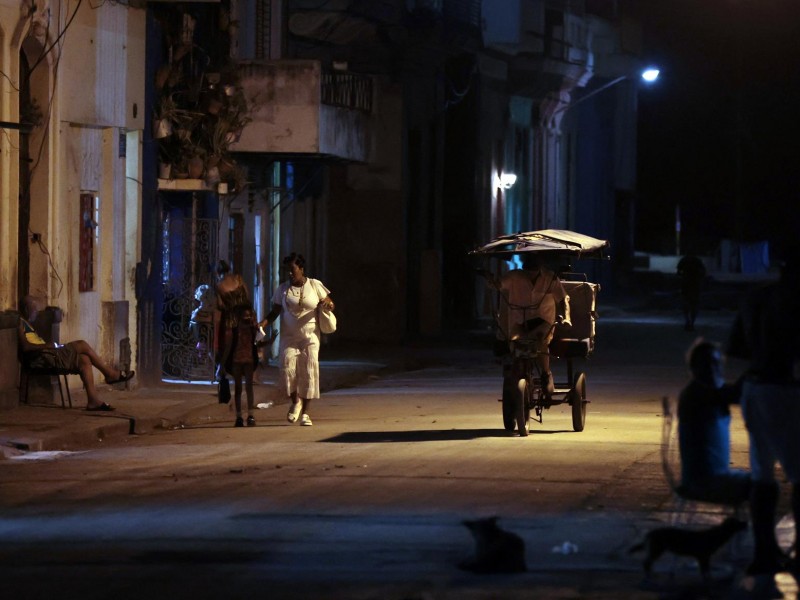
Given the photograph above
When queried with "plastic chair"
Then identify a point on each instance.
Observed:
(686, 505)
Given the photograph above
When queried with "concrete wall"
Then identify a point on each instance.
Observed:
(288, 116)
(366, 221)
(9, 369)
(284, 99)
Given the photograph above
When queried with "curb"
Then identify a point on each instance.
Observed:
(84, 435)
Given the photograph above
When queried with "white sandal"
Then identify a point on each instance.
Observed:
(294, 411)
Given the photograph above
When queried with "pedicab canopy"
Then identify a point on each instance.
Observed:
(549, 241)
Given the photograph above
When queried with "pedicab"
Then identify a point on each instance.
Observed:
(520, 339)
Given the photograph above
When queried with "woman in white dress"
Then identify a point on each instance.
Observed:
(296, 301)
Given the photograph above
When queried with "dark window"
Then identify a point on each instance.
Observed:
(236, 242)
(88, 231)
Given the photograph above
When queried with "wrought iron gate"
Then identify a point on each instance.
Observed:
(187, 335)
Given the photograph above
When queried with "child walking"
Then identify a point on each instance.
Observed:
(241, 359)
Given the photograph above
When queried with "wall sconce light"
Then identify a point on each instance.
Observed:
(506, 180)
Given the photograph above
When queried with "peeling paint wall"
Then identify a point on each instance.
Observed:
(91, 89)
(343, 133)
(288, 117)
(283, 98)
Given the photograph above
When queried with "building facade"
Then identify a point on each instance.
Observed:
(72, 106)
(369, 137)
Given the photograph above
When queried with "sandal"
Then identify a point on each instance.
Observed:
(123, 377)
(104, 407)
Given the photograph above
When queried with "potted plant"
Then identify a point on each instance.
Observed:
(162, 124)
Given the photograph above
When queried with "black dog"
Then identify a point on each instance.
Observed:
(496, 550)
(698, 544)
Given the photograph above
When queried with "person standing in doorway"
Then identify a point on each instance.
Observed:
(296, 302)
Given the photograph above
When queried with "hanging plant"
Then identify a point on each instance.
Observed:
(202, 110)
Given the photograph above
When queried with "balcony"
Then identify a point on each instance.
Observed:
(297, 108)
(552, 48)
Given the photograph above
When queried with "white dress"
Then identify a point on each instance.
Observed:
(299, 339)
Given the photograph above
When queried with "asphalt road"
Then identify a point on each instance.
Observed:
(368, 502)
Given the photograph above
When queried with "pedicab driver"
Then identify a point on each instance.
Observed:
(535, 301)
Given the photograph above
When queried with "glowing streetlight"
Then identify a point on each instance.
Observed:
(648, 75)
(506, 180)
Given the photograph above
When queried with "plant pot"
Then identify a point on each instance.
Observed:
(164, 171)
(195, 167)
(212, 175)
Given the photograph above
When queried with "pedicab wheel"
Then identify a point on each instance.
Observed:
(578, 401)
(509, 403)
(522, 408)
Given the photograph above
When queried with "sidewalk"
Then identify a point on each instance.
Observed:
(36, 428)
(30, 428)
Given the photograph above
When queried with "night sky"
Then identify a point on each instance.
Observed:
(719, 132)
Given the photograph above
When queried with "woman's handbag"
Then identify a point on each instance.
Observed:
(224, 391)
(326, 320)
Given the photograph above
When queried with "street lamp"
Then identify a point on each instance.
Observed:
(649, 75)
(506, 181)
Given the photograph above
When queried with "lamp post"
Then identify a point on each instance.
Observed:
(649, 75)
(617, 209)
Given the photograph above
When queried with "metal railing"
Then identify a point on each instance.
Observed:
(347, 90)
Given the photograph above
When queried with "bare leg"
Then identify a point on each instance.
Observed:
(248, 387)
(306, 404)
(87, 378)
(85, 350)
(237, 387)
(295, 408)
(543, 360)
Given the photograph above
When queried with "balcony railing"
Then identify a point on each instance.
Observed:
(347, 90)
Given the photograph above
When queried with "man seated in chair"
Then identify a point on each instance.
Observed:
(74, 357)
(535, 301)
(704, 419)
